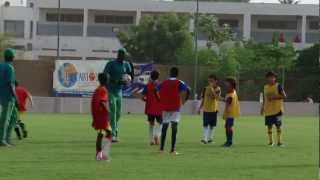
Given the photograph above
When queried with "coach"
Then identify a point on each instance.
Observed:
(115, 70)
(8, 114)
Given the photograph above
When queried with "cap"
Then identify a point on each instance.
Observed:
(9, 52)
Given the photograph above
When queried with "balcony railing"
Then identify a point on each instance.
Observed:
(65, 29)
(105, 30)
(266, 37)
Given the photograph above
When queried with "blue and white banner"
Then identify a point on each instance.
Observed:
(74, 78)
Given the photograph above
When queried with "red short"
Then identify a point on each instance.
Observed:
(100, 122)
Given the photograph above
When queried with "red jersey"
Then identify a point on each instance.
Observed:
(22, 95)
(153, 106)
(170, 94)
(99, 113)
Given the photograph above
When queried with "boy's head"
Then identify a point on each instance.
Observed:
(154, 75)
(212, 80)
(9, 54)
(122, 54)
(271, 77)
(174, 72)
(102, 79)
(231, 84)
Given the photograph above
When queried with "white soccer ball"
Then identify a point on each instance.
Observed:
(126, 78)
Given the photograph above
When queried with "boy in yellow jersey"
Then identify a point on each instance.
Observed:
(232, 110)
(209, 106)
(272, 107)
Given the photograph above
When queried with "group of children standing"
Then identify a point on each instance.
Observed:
(163, 102)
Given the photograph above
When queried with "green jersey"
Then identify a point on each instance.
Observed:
(116, 69)
(7, 79)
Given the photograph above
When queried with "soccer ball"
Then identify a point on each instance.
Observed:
(126, 78)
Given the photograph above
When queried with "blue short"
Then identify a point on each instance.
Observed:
(210, 119)
(229, 123)
(274, 120)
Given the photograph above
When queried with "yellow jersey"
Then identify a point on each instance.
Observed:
(272, 107)
(233, 109)
(210, 102)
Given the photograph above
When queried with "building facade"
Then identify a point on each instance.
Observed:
(88, 29)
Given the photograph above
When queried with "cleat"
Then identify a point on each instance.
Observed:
(25, 134)
(99, 156)
(211, 141)
(271, 144)
(204, 141)
(152, 143)
(227, 144)
(280, 145)
(175, 153)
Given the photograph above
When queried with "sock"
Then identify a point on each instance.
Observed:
(163, 135)
(279, 135)
(210, 133)
(174, 127)
(106, 144)
(99, 142)
(17, 130)
(151, 133)
(270, 135)
(159, 127)
(205, 133)
(229, 134)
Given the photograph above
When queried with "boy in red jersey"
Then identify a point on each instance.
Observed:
(153, 108)
(171, 101)
(100, 116)
(23, 96)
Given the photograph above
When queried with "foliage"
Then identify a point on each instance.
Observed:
(289, 1)
(5, 42)
(158, 38)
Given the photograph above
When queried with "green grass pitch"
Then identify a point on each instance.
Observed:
(62, 147)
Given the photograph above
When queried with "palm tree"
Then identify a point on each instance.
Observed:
(289, 1)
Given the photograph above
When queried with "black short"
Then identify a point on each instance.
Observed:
(274, 120)
(153, 118)
(210, 119)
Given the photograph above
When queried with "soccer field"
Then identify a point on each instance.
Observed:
(62, 147)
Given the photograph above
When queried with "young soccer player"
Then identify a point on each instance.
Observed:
(232, 110)
(209, 106)
(272, 106)
(100, 116)
(153, 108)
(23, 96)
(171, 97)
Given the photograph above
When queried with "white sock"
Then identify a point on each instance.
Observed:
(210, 133)
(205, 133)
(106, 144)
(151, 134)
(158, 130)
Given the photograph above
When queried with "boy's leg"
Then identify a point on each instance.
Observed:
(278, 124)
(5, 116)
(118, 113)
(163, 135)
(212, 125)
(205, 128)
(112, 114)
(99, 142)
(269, 123)
(22, 125)
(106, 144)
(158, 129)
(229, 131)
(174, 127)
(151, 120)
(18, 133)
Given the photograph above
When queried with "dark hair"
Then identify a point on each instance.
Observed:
(174, 72)
(102, 79)
(232, 82)
(271, 74)
(213, 76)
(16, 83)
(154, 75)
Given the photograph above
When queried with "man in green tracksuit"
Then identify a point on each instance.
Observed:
(8, 113)
(115, 70)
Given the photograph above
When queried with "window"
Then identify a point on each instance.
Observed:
(31, 30)
(231, 22)
(274, 24)
(109, 19)
(73, 18)
(314, 25)
(15, 28)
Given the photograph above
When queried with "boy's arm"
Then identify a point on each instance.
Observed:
(30, 99)
(105, 105)
(202, 100)
(282, 93)
(227, 102)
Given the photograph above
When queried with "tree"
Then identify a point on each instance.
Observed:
(209, 26)
(158, 38)
(289, 1)
(5, 42)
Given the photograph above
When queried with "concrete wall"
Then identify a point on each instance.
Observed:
(82, 105)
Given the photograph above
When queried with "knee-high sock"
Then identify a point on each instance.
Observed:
(270, 138)
(99, 142)
(106, 145)
(151, 133)
(174, 127)
(205, 133)
(157, 132)
(279, 134)
(210, 133)
(17, 130)
(163, 135)
(229, 134)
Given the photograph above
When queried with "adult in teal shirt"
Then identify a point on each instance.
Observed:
(8, 115)
(115, 70)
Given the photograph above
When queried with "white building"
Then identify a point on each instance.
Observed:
(88, 28)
